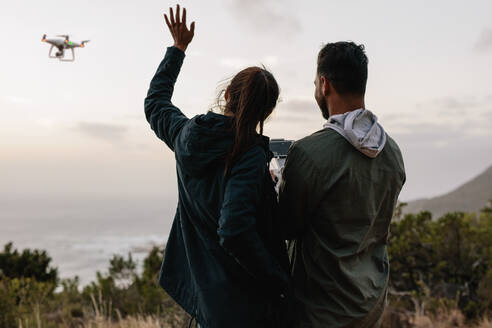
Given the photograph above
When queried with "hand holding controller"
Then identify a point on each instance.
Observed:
(279, 148)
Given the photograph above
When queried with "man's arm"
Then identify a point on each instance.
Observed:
(298, 194)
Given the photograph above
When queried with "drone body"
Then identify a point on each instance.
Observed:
(62, 43)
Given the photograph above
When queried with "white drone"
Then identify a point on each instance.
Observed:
(62, 42)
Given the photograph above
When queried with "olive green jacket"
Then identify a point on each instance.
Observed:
(336, 206)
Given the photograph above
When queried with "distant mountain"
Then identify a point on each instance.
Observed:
(469, 197)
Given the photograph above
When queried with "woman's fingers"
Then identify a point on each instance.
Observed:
(177, 15)
(176, 22)
(168, 23)
(171, 15)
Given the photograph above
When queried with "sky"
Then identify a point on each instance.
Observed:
(76, 130)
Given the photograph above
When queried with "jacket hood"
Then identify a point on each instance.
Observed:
(361, 128)
(205, 142)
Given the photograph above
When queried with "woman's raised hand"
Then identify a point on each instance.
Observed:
(177, 25)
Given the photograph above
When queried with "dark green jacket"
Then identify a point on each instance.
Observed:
(337, 205)
(225, 263)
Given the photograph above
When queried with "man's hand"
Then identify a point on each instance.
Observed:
(181, 35)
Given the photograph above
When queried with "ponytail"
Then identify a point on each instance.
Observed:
(253, 94)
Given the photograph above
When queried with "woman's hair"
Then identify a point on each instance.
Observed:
(253, 94)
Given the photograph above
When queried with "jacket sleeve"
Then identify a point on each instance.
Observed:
(298, 193)
(237, 223)
(165, 119)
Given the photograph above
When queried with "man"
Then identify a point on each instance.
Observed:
(340, 187)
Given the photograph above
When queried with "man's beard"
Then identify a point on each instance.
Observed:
(324, 108)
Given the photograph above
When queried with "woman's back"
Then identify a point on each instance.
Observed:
(203, 269)
(224, 263)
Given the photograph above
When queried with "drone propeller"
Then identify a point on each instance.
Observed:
(44, 38)
(82, 44)
(64, 36)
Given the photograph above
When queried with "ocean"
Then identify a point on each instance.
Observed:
(82, 232)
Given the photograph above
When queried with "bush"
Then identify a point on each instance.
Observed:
(8, 308)
(28, 264)
(447, 258)
(28, 297)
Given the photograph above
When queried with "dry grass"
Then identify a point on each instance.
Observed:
(453, 320)
(449, 319)
(100, 318)
(129, 322)
(485, 323)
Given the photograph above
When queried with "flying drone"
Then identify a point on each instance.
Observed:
(62, 43)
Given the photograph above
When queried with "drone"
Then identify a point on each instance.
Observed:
(62, 43)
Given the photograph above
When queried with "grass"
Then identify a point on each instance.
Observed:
(450, 319)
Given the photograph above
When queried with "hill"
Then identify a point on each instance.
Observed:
(469, 197)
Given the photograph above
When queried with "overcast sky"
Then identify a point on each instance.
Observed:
(78, 128)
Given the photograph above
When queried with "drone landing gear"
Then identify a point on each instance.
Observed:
(57, 55)
(69, 60)
(60, 54)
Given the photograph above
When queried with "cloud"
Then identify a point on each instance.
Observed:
(453, 107)
(18, 100)
(103, 131)
(449, 126)
(452, 104)
(294, 119)
(443, 119)
(300, 107)
(233, 62)
(455, 103)
(484, 42)
(437, 123)
(296, 111)
(46, 122)
(240, 62)
(448, 115)
(136, 117)
(264, 15)
(429, 136)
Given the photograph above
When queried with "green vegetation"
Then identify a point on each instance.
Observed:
(29, 296)
(441, 272)
(443, 264)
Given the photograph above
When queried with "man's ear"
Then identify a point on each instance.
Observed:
(325, 86)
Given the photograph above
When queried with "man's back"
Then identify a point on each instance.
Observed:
(337, 204)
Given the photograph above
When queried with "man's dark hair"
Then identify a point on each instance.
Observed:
(344, 64)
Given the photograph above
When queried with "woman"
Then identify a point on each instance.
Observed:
(223, 263)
